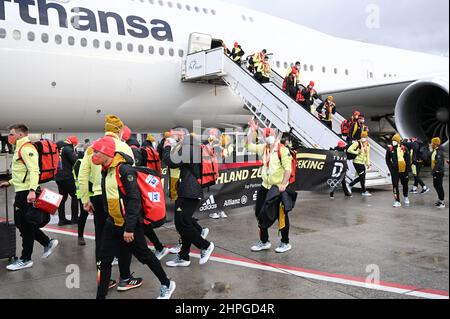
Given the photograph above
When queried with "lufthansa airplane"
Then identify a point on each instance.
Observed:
(65, 64)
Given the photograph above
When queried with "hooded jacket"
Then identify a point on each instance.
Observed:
(123, 210)
(438, 161)
(189, 151)
(68, 157)
(271, 208)
(398, 159)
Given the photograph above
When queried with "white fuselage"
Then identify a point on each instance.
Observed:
(71, 86)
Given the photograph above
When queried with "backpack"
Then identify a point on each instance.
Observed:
(152, 195)
(346, 125)
(293, 163)
(151, 159)
(350, 156)
(209, 168)
(48, 158)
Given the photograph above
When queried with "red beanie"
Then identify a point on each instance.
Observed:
(312, 83)
(126, 133)
(72, 140)
(106, 145)
(341, 144)
(268, 131)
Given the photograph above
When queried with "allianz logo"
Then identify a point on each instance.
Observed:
(210, 204)
(232, 202)
(194, 65)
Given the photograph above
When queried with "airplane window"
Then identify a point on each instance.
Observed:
(180, 53)
(188, 7)
(205, 10)
(286, 65)
(171, 52)
(346, 71)
(31, 36)
(58, 39)
(324, 69)
(170, 4)
(197, 9)
(2, 33)
(335, 71)
(119, 46)
(161, 51)
(251, 19)
(311, 68)
(71, 40)
(17, 35)
(390, 75)
(151, 49)
(83, 42)
(278, 64)
(161, 3)
(179, 6)
(107, 45)
(385, 75)
(44, 37)
(371, 75)
(244, 18)
(96, 44)
(141, 48)
(305, 67)
(213, 12)
(151, 1)
(130, 47)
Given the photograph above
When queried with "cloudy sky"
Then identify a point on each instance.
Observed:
(419, 25)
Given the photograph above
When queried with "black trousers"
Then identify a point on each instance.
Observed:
(361, 170)
(264, 232)
(187, 228)
(113, 244)
(347, 191)
(66, 188)
(396, 179)
(28, 232)
(100, 216)
(328, 124)
(149, 232)
(438, 183)
(82, 220)
(417, 180)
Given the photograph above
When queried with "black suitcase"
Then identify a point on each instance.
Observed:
(7, 235)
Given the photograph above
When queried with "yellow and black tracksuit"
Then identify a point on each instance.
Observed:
(398, 160)
(236, 54)
(326, 117)
(361, 162)
(25, 177)
(124, 215)
(438, 171)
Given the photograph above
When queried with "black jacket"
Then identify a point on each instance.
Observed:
(417, 150)
(183, 158)
(321, 107)
(235, 54)
(392, 159)
(439, 168)
(68, 157)
(271, 208)
(307, 94)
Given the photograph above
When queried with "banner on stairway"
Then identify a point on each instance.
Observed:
(238, 183)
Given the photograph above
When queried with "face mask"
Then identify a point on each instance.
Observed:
(155, 145)
(270, 140)
(364, 140)
(394, 143)
(172, 141)
(96, 159)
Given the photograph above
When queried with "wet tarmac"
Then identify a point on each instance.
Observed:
(338, 246)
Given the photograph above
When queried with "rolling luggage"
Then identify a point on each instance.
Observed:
(7, 235)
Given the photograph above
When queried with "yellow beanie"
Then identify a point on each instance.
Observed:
(166, 134)
(151, 138)
(397, 138)
(436, 141)
(364, 134)
(113, 124)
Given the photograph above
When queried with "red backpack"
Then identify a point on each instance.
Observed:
(210, 167)
(152, 195)
(48, 157)
(151, 159)
(346, 125)
(293, 163)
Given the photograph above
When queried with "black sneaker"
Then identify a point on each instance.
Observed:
(128, 284)
(64, 222)
(112, 284)
(74, 221)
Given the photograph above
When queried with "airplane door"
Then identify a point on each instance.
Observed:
(368, 70)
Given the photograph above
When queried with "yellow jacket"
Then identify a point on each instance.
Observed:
(25, 171)
(273, 169)
(362, 152)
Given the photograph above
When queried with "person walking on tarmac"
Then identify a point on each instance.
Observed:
(182, 151)
(237, 53)
(416, 148)
(83, 213)
(438, 170)
(89, 179)
(65, 181)
(342, 147)
(277, 168)
(123, 234)
(398, 160)
(361, 151)
(25, 179)
(326, 110)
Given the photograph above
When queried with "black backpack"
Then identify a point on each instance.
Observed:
(350, 156)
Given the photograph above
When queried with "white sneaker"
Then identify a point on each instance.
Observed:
(205, 254)
(214, 216)
(261, 246)
(407, 201)
(366, 194)
(414, 191)
(50, 248)
(166, 292)
(178, 262)
(223, 215)
(205, 233)
(115, 262)
(440, 204)
(175, 249)
(161, 254)
(397, 204)
(425, 190)
(19, 264)
(283, 248)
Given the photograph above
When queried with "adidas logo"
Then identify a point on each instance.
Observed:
(210, 204)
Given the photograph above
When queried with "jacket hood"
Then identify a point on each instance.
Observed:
(121, 158)
(133, 142)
